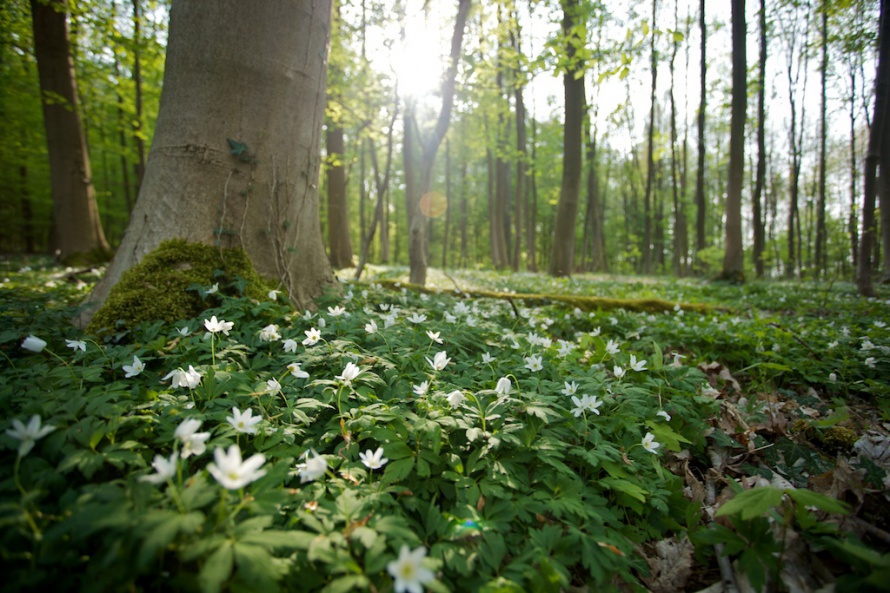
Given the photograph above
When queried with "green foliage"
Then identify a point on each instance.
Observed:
(505, 489)
(494, 466)
(172, 282)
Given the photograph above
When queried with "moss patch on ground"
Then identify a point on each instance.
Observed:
(164, 285)
(585, 303)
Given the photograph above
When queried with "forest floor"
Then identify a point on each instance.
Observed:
(770, 401)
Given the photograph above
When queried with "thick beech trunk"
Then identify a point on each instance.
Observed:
(236, 151)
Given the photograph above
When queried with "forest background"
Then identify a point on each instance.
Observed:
(656, 103)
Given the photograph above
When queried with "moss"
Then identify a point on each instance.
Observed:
(833, 438)
(89, 258)
(158, 286)
(585, 303)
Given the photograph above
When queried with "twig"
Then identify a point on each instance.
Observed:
(726, 573)
(802, 343)
(453, 281)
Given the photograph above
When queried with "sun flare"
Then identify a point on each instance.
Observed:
(419, 60)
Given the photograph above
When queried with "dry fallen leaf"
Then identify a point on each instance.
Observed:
(671, 565)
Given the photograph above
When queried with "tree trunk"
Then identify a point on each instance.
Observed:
(447, 203)
(650, 152)
(679, 221)
(236, 150)
(416, 255)
(562, 256)
(531, 217)
(852, 223)
(464, 215)
(122, 140)
(878, 155)
(77, 229)
(521, 146)
(821, 241)
(700, 241)
(138, 132)
(760, 175)
(339, 241)
(381, 185)
(734, 257)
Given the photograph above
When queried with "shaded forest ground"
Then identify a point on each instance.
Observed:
(777, 393)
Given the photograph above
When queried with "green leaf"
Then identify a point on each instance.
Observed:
(351, 582)
(235, 147)
(808, 498)
(398, 470)
(626, 487)
(257, 567)
(162, 528)
(752, 503)
(217, 569)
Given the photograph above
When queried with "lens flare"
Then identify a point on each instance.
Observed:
(433, 204)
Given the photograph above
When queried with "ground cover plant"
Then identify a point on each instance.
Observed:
(407, 441)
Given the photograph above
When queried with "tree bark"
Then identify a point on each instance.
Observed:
(521, 143)
(531, 217)
(878, 155)
(236, 150)
(76, 224)
(562, 256)
(852, 222)
(447, 203)
(734, 257)
(339, 242)
(650, 151)
(700, 240)
(821, 240)
(138, 132)
(679, 217)
(760, 175)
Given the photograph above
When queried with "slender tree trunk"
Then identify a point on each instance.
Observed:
(464, 215)
(650, 150)
(734, 258)
(448, 203)
(138, 132)
(339, 241)
(381, 185)
(675, 181)
(853, 222)
(521, 146)
(531, 218)
(878, 155)
(821, 262)
(77, 229)
(499, 229)
(562, 256)
(409, 162)
(760, 175)
(700, 202)
(268, 100)
(416, 231)
(122, 140)
(593, 223)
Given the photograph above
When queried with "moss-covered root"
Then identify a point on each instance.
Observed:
(585, 303)
(157, 287)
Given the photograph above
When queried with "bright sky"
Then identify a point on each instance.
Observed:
(419, 63)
